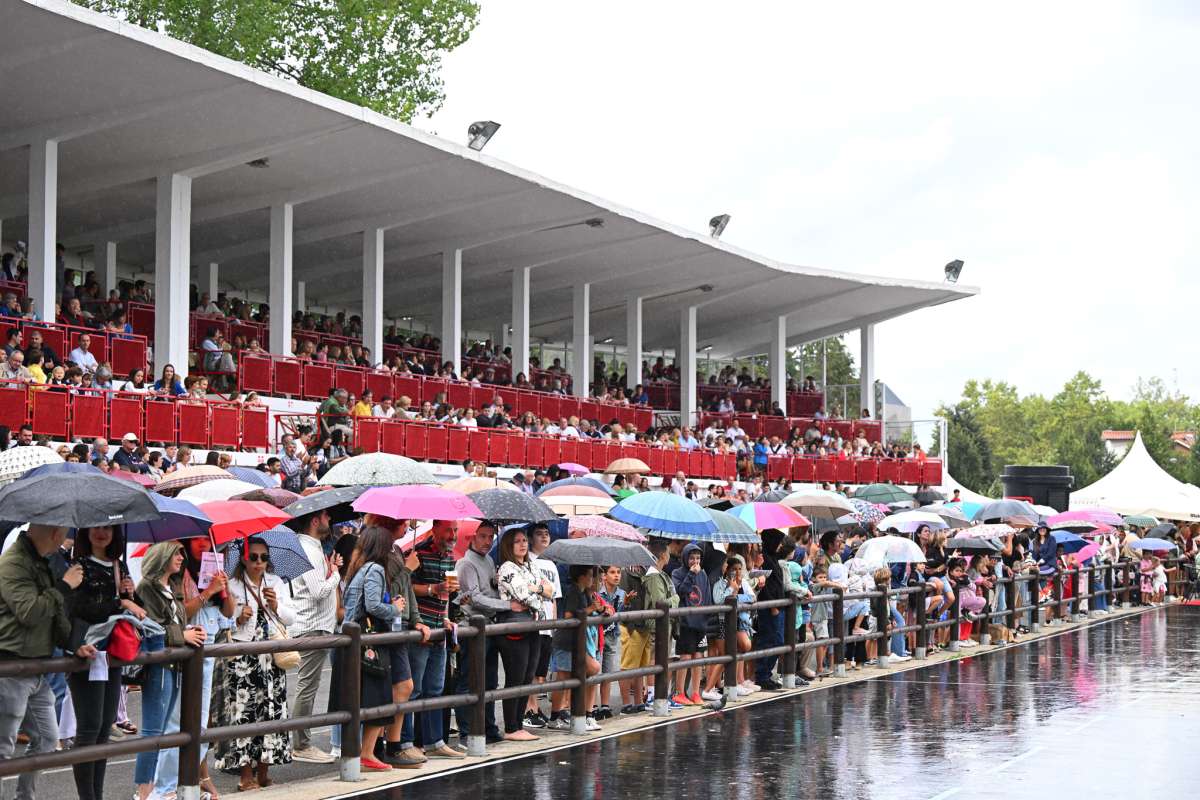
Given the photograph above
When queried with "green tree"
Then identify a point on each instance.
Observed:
(968, 450)
(383, 54)
(1072, 425)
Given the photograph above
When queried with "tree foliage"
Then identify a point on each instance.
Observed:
(993, 425)
(383, 54)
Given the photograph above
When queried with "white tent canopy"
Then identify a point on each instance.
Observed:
(1138, 485)
(949, 485)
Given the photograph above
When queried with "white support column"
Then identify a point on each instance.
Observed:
(452, 309)
(281, 279)
(301, 300)
(866, 372)
(172, 254)
(43, 226)
(686, 358)
(104, 262)
(208, 279)
(372, 305)
(633, 341)
(777, 362)
(581, 339)
(520, 321)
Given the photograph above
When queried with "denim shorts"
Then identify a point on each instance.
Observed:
(560, 661)
(612, 652)
(401, 669)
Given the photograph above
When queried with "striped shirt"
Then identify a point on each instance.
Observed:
(435, 563)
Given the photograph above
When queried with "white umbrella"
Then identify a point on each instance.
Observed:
(910, 521)
(221, 489)
(16, 461)
(572, 505)
(819, 503)
(952, 515)
(378, 469)
(890, 550)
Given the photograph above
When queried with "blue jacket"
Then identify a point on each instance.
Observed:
(1047, 552)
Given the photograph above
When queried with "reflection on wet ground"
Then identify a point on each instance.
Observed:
(1110, 711)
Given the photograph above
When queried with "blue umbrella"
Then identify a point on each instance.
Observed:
(1069, 542)
(663, 512)
(580, 481)
(288, 559)
(1152, 544)
(180, 520)
(65, 468)
(255, 476)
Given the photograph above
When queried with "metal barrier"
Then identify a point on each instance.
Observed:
(351, 641)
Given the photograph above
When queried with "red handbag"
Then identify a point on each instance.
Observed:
(124, 642)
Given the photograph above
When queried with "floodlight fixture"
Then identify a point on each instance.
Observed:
(606, 340)
(953, 270)
(479, 133)
(716, 225)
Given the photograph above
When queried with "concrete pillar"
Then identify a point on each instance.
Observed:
(207, 283)
(777, 362)
(43, 226)
(104, 262)
(301, 300)
(686, 358)
(866, 373)
(452, 309)
(520, 321)
(372, 305)
(281, 279)
(581, 339)
(633, 341)
(172, 257)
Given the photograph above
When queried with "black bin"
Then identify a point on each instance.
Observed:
(1047, 485)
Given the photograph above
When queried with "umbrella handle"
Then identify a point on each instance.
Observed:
(224, 594)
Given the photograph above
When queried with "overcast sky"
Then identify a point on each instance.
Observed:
(1052, 146)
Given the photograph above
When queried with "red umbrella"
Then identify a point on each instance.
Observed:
(240, 518)
(144, 481)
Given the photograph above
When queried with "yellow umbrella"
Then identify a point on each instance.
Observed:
(627, 466)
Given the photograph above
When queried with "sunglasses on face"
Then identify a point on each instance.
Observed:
(252, 557)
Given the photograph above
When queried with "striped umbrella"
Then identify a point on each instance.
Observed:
(256, 476)
(182, 478)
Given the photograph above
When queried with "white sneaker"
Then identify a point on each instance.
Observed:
(590, 724)
(967, 643)
(312, 755)
(746, 687)
(710, 695)
(899, 659)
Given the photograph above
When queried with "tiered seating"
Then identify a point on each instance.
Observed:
(800, 404)
(275, 375)
(65, 415)
(756, 425)
(125, 351)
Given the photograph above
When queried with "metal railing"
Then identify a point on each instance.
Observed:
(351, 641)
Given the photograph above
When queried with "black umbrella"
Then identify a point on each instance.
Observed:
(1161, 531)
(927, 496)
(716, 503)
(504, 505)
(1003, 510)
(595, 551)
(75, 500)
(773, 496)
(971, 545)
(337, 501)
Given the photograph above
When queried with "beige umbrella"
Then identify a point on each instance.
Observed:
(477, 484)
(575, 505)
(211, 491)
(184, 477)
(627, 466)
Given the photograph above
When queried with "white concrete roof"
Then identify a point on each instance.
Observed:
(128, 104)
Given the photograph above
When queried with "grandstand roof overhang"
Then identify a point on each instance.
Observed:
(128, 105)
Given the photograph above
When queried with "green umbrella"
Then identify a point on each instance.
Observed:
(1141, 520)
(884, 493)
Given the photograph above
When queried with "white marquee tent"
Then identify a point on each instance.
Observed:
(1138, 485)
(949, 485)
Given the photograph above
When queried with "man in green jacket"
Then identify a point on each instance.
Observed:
(32, 623)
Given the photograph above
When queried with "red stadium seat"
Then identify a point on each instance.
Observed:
(193, 424)
(516, 449)
(457, 444)
(826, 470)
(670, 461)
(432, 388)
(408, 387)
(846, 471)
(437, 438)
(256, 374)
(352, 379)
(50, 413)
(708, 466)
(256, 427)
(393, 438)
(910, 472)
(459, 394)
(318, 380)
(931, 473)
(380, 384)
(778, 467)
(127, 354)
(160, 419)
(654, 460)
(478, 444)
(288, 377)
(366, 433)
(125, 416)
(552, 451)
(889, 471)
(226, 421)
(804, 470)
(88, 415)
(534, 446)
(867, 471)
(568, 452)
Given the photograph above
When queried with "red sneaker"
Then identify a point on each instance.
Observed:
(682, 699)
(371, 765)
(695, 698)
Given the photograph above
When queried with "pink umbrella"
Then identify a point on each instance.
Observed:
(593, 525)
(573, 468)
(416, 501)
(466, 531)
(144, 481)
(761, 516)
(1103, 515)
(1087, 552)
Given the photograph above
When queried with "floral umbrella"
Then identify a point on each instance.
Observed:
(594, 525)
(378, 469)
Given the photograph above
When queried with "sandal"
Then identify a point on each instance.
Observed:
(210, 788)
(249, 786)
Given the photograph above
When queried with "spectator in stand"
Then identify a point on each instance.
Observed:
(136, 382)
(36, 366)
(692, 586)
(102, 379)
(128, 457)
(82, 355)
(36, 342)
(217, 358)
(73, 314)
(207, 306)
(24, 436)
(364, 406)
(333, 413)
(14, 341)
(295, 468)
(13, 368)
(385, 409)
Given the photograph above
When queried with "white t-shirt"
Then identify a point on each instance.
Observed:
(549, 571)
(385, 413)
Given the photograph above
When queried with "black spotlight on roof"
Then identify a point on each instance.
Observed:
(480, 133)
(953, 270)
(716, 225)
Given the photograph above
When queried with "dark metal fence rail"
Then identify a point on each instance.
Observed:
(351, 641)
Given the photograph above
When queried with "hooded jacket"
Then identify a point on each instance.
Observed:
(772, 543)
(693, 589)
(152, 595)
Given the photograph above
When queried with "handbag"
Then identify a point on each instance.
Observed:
(376, 661)
(286, 659)
(124, 642)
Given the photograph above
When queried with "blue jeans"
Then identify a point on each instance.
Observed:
(428, 664)
(1100, 601)
(898, 648)
(27, 706)
(166, 777)
(769, 634)
(58, 685)
(160, 695)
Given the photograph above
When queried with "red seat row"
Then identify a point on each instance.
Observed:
(756, 425)
(799, 404)
(126, 352)
(275, 375)
(806, 469)
(65, 415)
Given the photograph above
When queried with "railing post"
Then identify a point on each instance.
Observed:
(883, 646)
(1110, 585)
(1074, 605)
(787, 667)
(731, 647)
(839, 625)
(922, 620)
(1128, 584)
(477, 664)
(1056, 596)
(662, 658)
(190, 723)
(1035, 599)
(956, 624)
(579, 707)
(350, 699)
(1010, 596)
